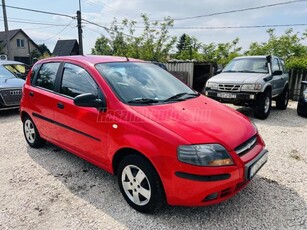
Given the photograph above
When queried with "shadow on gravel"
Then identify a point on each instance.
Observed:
(9, 113)
(282, 118)
(263, 204)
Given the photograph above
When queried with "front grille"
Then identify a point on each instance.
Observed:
(229, 87)
(11, 96)
(246, 146)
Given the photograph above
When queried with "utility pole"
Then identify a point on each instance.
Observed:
(6, 28)
(80, 32)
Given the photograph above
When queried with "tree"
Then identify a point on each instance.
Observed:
(43, 48)
(153, 44)
(222, 53)
(102, 46)
(188, 48)
(286, 46)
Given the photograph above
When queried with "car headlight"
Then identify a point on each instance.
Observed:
(305, 96)
(204, 155)
(251, 87)
(211, 85)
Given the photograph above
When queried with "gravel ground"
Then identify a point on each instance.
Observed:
(49, 188)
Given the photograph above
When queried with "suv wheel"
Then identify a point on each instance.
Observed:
(31, 134)
(283, 99)
(140, 184)
(263, 105)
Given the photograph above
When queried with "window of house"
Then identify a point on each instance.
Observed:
(76, 81)
(20, 43)
(46, 75)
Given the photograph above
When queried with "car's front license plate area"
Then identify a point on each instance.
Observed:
(253, 167)
(227, 95)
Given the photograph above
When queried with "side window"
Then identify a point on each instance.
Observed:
(46, 75)
(77, 80)
(283, 67)
(275, 65)
(34, 71)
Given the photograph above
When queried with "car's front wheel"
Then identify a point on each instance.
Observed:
(31, 134)
(283, 99)
(140, 184)
(263, 105)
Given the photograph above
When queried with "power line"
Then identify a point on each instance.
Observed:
(233, 11)
(58, 32)
(39, 11)
(33, 23)
(107, 29)
(228, 27)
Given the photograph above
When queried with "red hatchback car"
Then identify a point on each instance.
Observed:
(164, 141)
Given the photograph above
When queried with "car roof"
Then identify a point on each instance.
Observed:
(90, 59)
(8, 62)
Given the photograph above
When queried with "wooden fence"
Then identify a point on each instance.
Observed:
(295, 78)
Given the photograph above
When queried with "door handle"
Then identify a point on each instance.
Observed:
(31, 94)
(60, 105)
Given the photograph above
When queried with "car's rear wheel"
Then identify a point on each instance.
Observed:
(263, 105)
(283, 99)
(31, 134)
(140, 184)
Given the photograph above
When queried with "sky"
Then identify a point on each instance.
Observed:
(47, 29)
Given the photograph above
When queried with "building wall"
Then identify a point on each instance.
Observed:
(22, 53)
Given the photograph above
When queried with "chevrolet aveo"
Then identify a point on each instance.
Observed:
(165, 142)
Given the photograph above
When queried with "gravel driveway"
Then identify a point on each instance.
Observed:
(49, 188)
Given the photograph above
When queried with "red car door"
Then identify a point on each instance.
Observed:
(40, 97)
(79, 128)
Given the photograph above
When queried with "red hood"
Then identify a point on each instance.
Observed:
(201, 120)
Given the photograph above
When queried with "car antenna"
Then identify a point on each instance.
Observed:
(127, 59)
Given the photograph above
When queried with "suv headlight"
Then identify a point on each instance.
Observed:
(204, 155)
(305, 95)
(211, 85)
(251, 87)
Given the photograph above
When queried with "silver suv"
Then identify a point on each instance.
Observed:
(252, 81)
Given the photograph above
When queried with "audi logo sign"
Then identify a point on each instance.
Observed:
(15, 92)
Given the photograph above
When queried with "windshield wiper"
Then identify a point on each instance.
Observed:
(143, 101)
(181, 96)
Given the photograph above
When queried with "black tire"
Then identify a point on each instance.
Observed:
(263, 105)
(283, 99)
(143, 190)
(31, 133)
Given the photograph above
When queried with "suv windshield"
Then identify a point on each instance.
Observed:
(144, 83)
(247, 65)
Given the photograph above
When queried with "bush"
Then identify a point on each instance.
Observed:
(299, 63)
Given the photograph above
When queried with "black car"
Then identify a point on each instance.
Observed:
(10, 89)
(302, 103)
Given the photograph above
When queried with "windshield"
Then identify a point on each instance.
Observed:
(247, 65)
(4, 73)
(17, 69)
(143, 83)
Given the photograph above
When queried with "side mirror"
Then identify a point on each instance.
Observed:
(277, 72)
(89, 100)
(218, 71)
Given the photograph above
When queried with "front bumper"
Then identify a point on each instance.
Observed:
(202, 186)
(228, 96)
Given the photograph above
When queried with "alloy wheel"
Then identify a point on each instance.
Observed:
(136, 185)
(29, 131)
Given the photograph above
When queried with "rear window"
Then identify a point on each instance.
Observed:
(46, 75)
